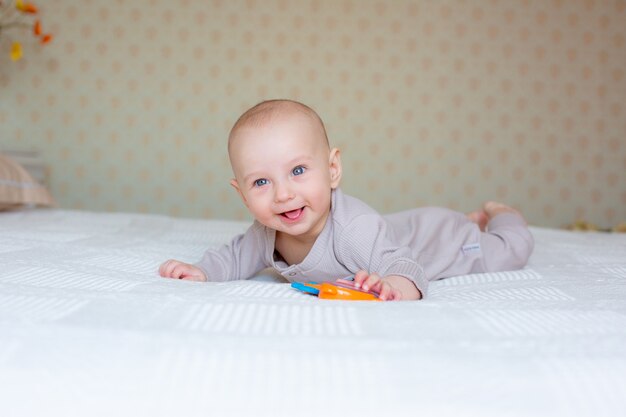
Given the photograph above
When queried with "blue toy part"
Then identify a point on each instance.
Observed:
(309, 287)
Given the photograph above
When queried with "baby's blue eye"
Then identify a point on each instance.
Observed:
(299, 170)
(260, 182)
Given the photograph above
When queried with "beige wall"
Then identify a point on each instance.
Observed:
(432, 102)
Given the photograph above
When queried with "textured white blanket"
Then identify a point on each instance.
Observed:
(88, 328)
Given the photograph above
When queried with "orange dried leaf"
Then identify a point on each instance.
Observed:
(46, 38)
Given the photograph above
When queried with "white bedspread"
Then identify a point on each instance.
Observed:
(88, 328)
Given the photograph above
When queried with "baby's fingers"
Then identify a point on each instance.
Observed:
(372, 283)
(359, 278)
(180, 271)
(389, 292)
(385, 292)
(166, 268)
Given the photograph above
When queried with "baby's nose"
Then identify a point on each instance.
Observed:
(283, 192)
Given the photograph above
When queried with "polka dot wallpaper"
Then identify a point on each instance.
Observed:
(447, 102)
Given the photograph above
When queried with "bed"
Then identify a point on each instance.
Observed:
(87, 327)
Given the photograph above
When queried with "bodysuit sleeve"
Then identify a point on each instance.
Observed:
(240, 259)
(363, 244)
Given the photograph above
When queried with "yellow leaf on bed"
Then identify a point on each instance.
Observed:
(16, 51)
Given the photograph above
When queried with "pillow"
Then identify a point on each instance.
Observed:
(18, 188)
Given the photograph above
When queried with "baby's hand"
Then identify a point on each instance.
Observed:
(180, 270)
(392, 287)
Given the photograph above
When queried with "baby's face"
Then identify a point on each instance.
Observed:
(284, 172)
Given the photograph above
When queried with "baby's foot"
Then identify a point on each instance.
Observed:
(480, 218)
(493, 208)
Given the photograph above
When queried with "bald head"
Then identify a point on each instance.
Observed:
(273, 110)
(281, 145)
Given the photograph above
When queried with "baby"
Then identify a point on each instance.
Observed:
(305, 228)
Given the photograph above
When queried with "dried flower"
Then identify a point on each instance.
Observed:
(20, 16)
(25, 7)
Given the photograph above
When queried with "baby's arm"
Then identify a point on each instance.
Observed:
(391, 287)
(180, 270)
(363, 246)
(239, 259)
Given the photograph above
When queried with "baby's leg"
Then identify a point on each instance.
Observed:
(507, 243)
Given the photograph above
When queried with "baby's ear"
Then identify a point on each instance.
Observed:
(334, 165)
(235, 185)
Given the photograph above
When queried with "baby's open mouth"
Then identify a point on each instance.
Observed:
(293, 214)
